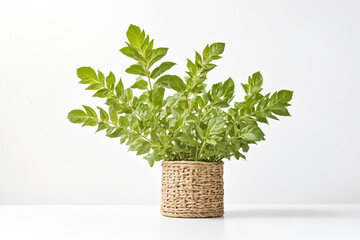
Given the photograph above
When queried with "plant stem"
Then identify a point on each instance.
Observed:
(148, 77)
(126, 129)
(119, 99)
(201, 148)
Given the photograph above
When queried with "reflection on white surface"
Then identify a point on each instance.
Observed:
(188, 228)
(145, 222)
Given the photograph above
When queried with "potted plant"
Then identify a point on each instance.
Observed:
(191, 129)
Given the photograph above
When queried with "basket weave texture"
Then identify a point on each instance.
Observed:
(192, 189)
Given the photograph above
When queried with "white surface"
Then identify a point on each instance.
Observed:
(311, 47)
(145, 222)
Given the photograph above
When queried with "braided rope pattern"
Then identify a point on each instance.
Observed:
(192, 189)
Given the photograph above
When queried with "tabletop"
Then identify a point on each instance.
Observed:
(53, 222)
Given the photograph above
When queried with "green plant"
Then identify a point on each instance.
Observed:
(193, 124)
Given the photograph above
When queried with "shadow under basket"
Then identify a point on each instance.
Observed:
(192, 189)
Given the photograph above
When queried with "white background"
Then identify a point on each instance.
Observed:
(311, 47)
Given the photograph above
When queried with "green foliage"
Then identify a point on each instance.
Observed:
(194, 123)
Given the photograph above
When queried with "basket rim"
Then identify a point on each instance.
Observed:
(169, 162)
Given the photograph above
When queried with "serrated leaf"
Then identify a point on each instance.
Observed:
(161, 69)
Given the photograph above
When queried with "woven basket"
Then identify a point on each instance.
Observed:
(192, 189)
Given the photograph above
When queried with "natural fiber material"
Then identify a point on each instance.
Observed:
(192, 189)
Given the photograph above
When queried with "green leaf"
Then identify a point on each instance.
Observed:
(128, 95)
(213, 51)
(256, 80)
(284, 96)
(252, 133)
(246, 88)
(200, 101)
(103, 93)
(212, 142)
(102, 126)
(215, 126)
(141, 84)
(150, 158)
(127, 52)
(77, 116)
(172, 82)
(200, 131)
(90, 112)
(113, 115)
(158, 54)
(238, 155)
(94, 86)
(87, 75)
(104, 116)
(119, 89)
(144, 148)
(90, 122)
(115, 134)
(187, 140)
(157, 95)
(135, 36)
(110, 81)
(101, 77)
(123, 122)
(136, 69)
(281, 112)
(217, 48)
(161, 69)
(228, 89)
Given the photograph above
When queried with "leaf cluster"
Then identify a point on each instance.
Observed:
(193, 123)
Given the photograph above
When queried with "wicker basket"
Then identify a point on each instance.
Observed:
(192, 189)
